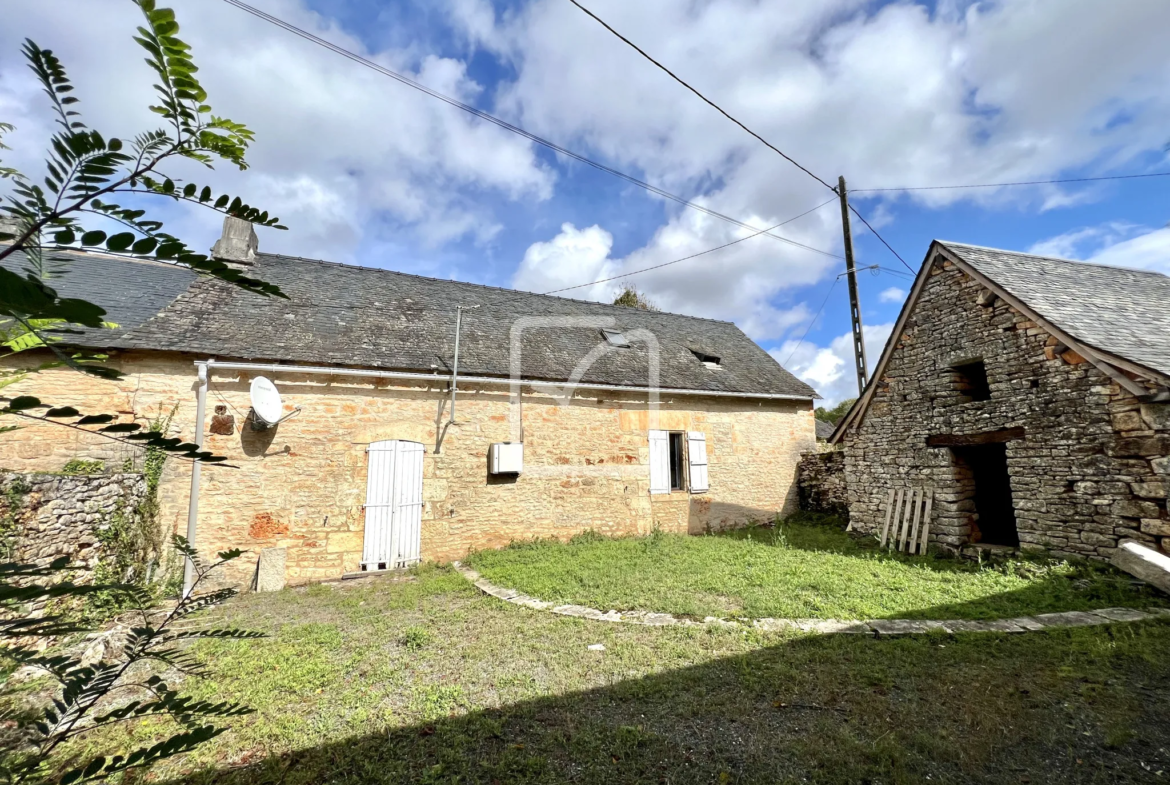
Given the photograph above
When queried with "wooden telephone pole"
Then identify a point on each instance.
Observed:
(854, 305)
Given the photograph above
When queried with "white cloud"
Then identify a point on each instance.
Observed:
(1149, 251)
(341, 152)
(830, 369)
(892, 295)
(572, 257)
(896, 94)
(1115, 243)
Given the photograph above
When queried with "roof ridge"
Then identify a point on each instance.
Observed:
(114, 256)
(950, 243)
(495, 288)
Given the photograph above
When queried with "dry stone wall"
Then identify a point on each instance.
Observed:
(47, 516)
(301, 485)
(821, 483)
(1089, 470)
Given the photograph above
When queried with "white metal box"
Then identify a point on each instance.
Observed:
(506, 458)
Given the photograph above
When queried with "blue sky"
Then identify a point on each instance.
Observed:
(368, 172)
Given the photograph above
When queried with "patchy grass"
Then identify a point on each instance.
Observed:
(348, 691)
(797, 570)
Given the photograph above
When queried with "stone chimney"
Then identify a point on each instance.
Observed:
(10, 225)
(238, 244)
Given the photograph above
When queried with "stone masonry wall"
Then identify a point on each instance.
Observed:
(302, 484)
(821, 483)
(1089, 471)
(47, 516)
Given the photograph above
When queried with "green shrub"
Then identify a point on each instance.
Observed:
(82, 468)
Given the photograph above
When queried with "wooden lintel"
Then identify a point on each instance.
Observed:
(974, 439)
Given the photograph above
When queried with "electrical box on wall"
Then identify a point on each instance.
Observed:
(506, 458)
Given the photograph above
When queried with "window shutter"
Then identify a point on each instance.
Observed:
(659, 462)
(697, 455)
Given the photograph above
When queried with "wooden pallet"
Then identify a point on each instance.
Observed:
(908, 509)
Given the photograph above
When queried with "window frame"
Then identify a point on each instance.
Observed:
(673, 462)
(677, 446)
(615, 338)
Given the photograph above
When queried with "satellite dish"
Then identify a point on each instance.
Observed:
(266, 401)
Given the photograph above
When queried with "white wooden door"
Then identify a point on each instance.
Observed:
(393, 505)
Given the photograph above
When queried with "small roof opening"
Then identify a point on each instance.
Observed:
(709, 360)
(616, 338)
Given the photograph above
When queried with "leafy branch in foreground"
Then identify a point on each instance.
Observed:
(84, 170)
(115, 690)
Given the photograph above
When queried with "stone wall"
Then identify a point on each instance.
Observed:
(301, 485)
(47, 516)
(1089, 469)
(821, 483)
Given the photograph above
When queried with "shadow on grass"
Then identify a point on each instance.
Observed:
(1066, 706)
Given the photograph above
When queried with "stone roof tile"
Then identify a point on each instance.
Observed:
(1118, 310)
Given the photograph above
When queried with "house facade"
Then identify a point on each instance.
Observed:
(1027, 395)
(623, 420)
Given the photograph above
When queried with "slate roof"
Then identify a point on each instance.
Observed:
(824, 430)
(1117, 310)
(131, 291)
(366, 317)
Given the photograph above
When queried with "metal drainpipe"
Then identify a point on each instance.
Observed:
(196, 470)
(455, 370)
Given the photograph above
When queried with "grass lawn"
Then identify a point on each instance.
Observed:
(797, 570)
(429, 681)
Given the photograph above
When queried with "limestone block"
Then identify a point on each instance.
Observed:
(1135, 509)
(1143, 562)
(344, 541)
(1156, 527)
(1156, 415)
(270, 570)
(1128, 421)
(1149, 490)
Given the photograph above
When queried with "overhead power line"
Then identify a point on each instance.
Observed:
(726, 114)
(692, 256)
(812, 321)
(853, 210)
(509, 126)
(711, 103)
(1022, 182)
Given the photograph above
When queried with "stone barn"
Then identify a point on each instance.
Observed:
(1029, 394)
(389, 446)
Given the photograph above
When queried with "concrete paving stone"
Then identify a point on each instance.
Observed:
(775, 625)
(659, 619)
(991, 625)
(834, 626)
(531, 602)
(572, 610)
(1028, 623)
(1068, 619)
(1158, 611)
(719, 622)
(885, 627)
(1122, 614)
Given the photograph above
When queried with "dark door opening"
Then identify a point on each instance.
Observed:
(993, 493)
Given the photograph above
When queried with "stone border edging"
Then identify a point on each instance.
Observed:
(874, 627)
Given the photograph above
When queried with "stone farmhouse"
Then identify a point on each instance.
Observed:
(558, 416)
(1029, 394)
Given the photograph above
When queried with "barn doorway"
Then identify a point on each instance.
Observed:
(987, 475)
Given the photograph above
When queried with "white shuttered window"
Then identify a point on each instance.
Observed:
(659, 462)
(697, 455)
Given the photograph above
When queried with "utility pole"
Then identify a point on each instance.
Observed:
(854, 305)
